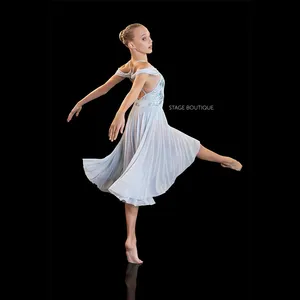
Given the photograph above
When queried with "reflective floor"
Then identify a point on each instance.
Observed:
(187, 254)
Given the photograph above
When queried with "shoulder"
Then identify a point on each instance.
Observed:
(142, 65)
(125, 68)
(141, 69)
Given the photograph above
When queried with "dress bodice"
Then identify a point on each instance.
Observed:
(153, 98)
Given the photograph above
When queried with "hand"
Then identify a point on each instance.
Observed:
(77, 108)
(116, 126)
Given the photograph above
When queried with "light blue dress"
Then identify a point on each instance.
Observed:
(150, 154)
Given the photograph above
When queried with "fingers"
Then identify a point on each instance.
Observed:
(70, 116)
(110, 132)
(73, 111)
(116, 134)
(78, 111)
(116, 127)
(113, 133)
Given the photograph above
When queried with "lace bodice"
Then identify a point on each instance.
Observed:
(152, 98)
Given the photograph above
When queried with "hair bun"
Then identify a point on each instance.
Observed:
(121, 36)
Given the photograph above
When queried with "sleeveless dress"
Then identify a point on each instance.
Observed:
(150, 154)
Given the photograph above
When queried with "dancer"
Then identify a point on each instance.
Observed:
(151, 153)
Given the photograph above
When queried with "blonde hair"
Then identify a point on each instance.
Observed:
(126, 34)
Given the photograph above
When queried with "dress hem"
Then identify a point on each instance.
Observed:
(149, 200)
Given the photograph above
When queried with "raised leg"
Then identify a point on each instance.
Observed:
(225, 161)
(131, 213)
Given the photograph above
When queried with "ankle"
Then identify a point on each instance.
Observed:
(130, 242)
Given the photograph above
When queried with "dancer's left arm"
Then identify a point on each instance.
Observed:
(134, 92)
(118, 123)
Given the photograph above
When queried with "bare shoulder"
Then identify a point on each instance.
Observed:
(126, 67)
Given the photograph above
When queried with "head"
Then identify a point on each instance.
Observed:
(137, 38)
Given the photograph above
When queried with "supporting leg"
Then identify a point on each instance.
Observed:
(131, 213)
(225, 161)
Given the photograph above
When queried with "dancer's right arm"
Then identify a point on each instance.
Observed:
(101, 90)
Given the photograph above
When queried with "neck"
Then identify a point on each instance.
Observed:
(138, 56)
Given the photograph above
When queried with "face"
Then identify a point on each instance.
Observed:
(142, 41)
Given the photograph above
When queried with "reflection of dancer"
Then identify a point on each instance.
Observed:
(130, 280)
(151, 153)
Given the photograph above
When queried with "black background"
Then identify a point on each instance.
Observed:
(196, 239)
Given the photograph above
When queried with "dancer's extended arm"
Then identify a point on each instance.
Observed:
(101, 90)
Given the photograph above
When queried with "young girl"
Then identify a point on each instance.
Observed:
(151, 153)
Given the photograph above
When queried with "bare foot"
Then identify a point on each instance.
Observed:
(131, 253)
(232, 164)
